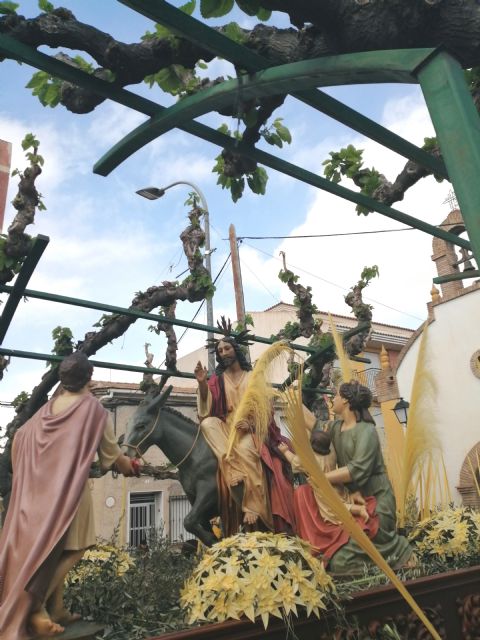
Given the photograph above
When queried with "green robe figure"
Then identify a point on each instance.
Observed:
(362, 469)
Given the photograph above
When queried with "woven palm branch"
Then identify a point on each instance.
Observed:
(422, 448)
(299, 434)
(345, 366)
(256, 404)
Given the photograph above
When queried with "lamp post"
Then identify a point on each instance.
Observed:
(153, 193)
(401, 411)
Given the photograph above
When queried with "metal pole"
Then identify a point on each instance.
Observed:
(208, 264)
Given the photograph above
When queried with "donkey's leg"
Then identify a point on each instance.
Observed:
(198, 520)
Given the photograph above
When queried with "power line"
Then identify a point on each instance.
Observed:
(332, 235)
(334, 284)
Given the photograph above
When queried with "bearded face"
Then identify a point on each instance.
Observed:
(226, 353)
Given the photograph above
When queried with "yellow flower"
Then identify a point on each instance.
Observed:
(269, 563)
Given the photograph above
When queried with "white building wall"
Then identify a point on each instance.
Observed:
(453, 337)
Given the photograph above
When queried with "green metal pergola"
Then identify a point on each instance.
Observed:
(441, 79)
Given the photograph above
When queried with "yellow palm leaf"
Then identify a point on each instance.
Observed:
(256, 404)
(421, 438)
(345, 366)
(299, 434)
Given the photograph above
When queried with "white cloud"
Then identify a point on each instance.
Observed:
(404, 260)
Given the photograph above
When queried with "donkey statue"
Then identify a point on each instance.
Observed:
(182, 442)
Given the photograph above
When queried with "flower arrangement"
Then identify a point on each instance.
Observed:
(256, 574)
(450, 534)
(95, 559)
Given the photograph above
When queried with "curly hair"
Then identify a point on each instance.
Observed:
(242, 360)
(359, 398)
(75, 371)
(320, 441)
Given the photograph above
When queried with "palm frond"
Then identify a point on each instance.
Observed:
(345, 366)
(421, 437)
(256, 404)
(299, 434)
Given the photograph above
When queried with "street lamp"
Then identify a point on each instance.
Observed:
(401, 411)
(153, 193)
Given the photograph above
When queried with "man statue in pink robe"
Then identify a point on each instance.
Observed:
(49, 520)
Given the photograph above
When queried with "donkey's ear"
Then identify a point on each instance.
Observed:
(159, 401)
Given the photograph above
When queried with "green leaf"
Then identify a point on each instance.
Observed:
(215, 8)
(46, 6)
(29, 141)
(250, 7)
(233, 31)
(263, 14)
(8, 7)
(257, 181)
(282, 130)
(188, 7)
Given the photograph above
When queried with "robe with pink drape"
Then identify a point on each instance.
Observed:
(51, 461)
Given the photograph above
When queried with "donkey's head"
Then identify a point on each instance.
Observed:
(144, 427)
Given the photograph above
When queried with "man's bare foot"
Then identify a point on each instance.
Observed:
(64, 617)
(42, 625)
(250, 518)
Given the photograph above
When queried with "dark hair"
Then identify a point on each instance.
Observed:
(359, 399)
(322, 442)
(242, 360)
(75, 371)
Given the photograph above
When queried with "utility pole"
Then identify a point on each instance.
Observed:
(237, 276)
(5, 161)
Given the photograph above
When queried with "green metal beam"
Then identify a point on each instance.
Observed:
(31, 355)
(464, 275)
(135, 313)
(39, 244)
(23, 53)
(368, 67)
(244, 58)
(457, 124)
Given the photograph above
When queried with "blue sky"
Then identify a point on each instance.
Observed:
(107, 242)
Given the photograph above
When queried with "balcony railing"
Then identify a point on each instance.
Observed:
(366, 377)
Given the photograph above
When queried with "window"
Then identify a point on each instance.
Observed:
(179, 506)
(144, 517)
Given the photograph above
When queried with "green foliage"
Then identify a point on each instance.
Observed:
(243, 326)
(215, 8)
(46, 88)
(285, 275)
(46, 6)
(276, 134)
(106, 319)
(233, 31)
(368, 274)
(133, 604)
(254, 8)
(430, 145)
(174, 79)
(20, 401)
(200, 280)
(162, 32)
(8, 7)
(8, 262)
(346, 162)
(63, 343)
(256, 180)
(369, 181)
